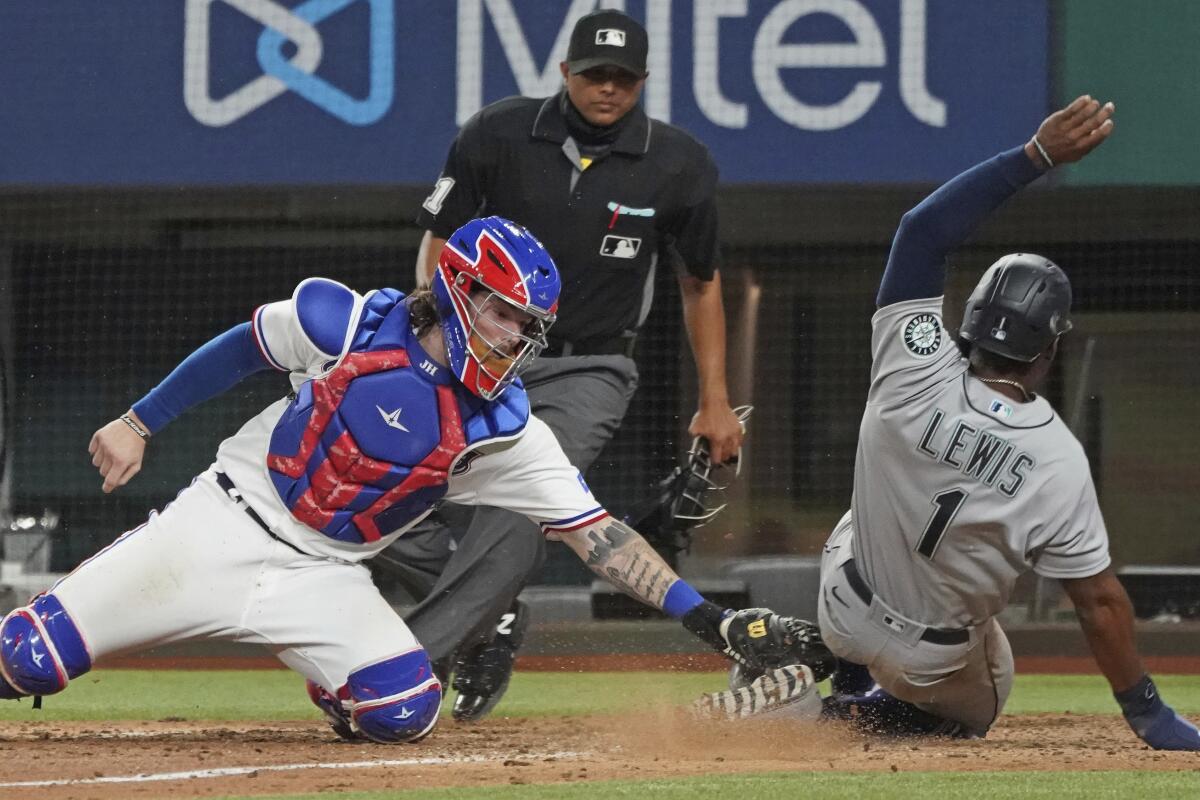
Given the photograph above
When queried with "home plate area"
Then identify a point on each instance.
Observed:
(189, 759)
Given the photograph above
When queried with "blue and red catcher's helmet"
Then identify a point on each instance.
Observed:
(486, 262)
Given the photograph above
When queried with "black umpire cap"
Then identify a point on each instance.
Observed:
(608, 37)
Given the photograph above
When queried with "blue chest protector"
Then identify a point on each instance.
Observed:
(368, 448)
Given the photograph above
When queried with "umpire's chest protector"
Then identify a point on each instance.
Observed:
(368, 447)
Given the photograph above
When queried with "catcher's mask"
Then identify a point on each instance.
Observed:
(690, 496)
(496, 290)
(701, 483)
(1018, 308)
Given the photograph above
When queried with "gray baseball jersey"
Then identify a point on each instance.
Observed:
(958, 489)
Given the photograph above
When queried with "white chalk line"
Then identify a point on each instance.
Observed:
(224, 772)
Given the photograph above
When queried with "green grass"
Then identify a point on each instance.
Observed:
(112, 695)
(833, 786)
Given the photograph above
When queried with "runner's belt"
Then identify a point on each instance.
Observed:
(933, 635)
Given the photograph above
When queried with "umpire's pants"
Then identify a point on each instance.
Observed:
(470, 564)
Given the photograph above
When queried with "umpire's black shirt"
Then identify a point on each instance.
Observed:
(644, 196)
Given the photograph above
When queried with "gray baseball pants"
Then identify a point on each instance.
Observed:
(968, 683)
(469, 563)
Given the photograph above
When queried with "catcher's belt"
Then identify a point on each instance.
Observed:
(228, 487)
(932, 635)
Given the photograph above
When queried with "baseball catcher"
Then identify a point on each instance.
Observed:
(396, 402)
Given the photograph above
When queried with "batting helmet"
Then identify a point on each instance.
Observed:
(1018, 308)
(486, 262)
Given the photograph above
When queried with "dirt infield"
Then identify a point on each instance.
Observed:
(304, 757)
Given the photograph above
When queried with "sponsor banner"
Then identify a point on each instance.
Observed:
(196, 92)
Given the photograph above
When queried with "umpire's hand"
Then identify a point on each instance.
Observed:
(117, 450)
(720, 426)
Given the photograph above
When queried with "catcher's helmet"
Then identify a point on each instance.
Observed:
(1020, 305)
(489, 261)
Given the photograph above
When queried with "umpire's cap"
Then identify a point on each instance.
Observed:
(1020, 305)
(608, 37)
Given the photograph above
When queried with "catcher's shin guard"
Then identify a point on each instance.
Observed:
(41, 649)
(395, 700)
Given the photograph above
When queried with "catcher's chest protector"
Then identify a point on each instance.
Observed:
(368, 447)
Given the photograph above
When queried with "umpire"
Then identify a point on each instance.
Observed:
(613, 195)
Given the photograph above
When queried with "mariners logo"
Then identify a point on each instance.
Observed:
(923, 334)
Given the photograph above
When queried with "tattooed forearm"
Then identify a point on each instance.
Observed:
(619, 554)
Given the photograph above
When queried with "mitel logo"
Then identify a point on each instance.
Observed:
(282, 25)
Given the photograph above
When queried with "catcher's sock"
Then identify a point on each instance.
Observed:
(880, 713)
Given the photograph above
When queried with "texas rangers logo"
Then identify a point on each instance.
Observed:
(923, 334)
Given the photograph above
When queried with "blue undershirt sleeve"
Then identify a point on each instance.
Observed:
(212, 369)
(680, 599)
(941, 222)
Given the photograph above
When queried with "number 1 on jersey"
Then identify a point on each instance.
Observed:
(946, 506)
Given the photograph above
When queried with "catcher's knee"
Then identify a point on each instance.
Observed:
(395, 700)
(41, 649)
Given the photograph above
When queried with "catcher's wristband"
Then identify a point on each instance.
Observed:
(135, 427)
(680, 599)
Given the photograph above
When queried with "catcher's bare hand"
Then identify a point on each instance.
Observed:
(721, 427)
(117, 451)
(1071, 133)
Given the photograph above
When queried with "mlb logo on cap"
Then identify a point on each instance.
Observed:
(610, 36)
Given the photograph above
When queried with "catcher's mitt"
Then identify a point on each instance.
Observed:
(760, 640)
(688, 498)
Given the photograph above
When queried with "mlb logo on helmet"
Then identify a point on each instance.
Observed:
(610, 36)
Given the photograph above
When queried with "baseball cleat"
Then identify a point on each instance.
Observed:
(481, 677)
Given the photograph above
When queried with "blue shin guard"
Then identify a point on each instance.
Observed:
(41, 649)
(395, 700)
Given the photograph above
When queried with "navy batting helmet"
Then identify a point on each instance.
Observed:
(1020, 305)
